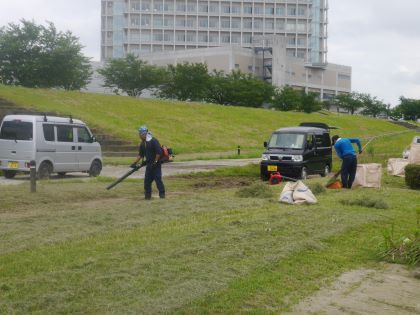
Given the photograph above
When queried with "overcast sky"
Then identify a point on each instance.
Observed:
(379, 39)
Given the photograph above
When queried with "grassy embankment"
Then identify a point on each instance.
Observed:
(74, 247)
(196, 130)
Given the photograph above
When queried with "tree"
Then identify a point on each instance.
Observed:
(131, 75)
(371, 105)
(186, 81)
(287, 99)
(409, 108)
(309, 102)
(350, 102)
(39, 56)
(238, 89)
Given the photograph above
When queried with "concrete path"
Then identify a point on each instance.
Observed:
(168, 169)
(392, 290)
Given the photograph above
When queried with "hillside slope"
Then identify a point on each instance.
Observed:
(186, 127)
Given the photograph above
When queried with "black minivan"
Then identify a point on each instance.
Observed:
(298, 151)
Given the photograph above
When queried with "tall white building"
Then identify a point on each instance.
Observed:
(155, 29)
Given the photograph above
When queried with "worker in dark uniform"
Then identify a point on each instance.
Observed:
(150, 152)
(345, 151)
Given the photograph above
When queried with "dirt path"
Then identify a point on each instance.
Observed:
(168, 169)
(393, 290)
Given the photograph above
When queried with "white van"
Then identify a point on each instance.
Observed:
(56, 144)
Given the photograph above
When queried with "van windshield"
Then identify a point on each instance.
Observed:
(16, 130)
(287, 140)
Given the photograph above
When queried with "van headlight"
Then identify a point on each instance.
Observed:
(297, 158)
(265, 157)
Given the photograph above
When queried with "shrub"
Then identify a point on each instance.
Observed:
(257, 190)
(366, 202)
(412, 176)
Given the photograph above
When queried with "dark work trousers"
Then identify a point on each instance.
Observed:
(153, 173)
(348, 170)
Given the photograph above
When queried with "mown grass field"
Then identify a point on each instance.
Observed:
(74, 247)
(191, 129)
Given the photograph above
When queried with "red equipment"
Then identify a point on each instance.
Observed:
(275, 178)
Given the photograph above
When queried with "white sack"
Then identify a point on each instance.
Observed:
(414, 156)
(286, 195)
(368, 175)
(396, 166)
(297, 193)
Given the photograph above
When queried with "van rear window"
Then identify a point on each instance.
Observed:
(16, 130)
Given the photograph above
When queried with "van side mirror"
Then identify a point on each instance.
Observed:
(310, 145)
(265, 144)
(93, 139)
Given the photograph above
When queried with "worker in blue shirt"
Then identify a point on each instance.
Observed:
(345, 151)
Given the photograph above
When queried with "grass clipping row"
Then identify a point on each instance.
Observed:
(257, 190)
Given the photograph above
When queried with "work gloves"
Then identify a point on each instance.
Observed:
(134, 165)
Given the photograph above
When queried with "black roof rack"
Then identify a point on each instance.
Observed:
(317, 125)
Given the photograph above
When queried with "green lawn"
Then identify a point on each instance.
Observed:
(191, 129)
(74, 247)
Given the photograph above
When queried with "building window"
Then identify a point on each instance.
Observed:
(248, 9)
(214, 8)
(190, 37)
(225, 23)
(191, 7)
(225, 9)
(290, 26)
(258, 9)
(269, 10)
(280, 11)
(258, 24)
(168, 21)
(344, 77)
(269, 24)
(291, 11)
(145, 6)
(214, 22)
(236, 39)
(247, 24)
(236, 23)
(203, 22)
(203, 7)
(280, 25)
(158, 6)
(168, 6)
(226, 38)
(236, 9)
(236, 66)
(180, 7)
(247, 39)
(301, 11)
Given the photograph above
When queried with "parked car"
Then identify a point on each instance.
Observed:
(56, 144)
(298, 151)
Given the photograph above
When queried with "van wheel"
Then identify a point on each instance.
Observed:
(304, 173)
(95, 168)
(9, 174)
(61, 174)
(326, 171)
(45, 170)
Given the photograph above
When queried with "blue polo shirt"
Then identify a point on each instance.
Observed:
(344, 147)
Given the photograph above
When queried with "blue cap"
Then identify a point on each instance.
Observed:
(143, 130)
